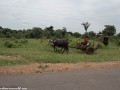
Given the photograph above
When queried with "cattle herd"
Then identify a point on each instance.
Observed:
(61, 45)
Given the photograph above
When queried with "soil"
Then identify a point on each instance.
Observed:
(11, 57)
(58, 67)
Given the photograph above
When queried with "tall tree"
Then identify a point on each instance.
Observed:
(58, 33)
(64, 31)
(37, 32)
(49, 31)
(109, 30)
(86, 25)
(91, 34)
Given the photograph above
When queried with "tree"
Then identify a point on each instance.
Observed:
(91, 34)
(37, 32)
(1, 30)
(7, 32)
(64, 31)
(58, 33)
(109, 30)
(49, 31)
(118, 35)
(27, 33)
(86, 25)
(70, 33)
(76, 35)
(1, 27)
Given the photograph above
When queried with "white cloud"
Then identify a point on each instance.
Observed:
(21, 14)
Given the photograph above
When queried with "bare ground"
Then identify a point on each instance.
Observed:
(11, 57)
(58, 67)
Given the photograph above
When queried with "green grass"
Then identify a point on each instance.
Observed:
(11, 63)
(35, 51)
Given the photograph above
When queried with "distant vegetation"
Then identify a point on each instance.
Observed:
(30, 45)
(50, 32)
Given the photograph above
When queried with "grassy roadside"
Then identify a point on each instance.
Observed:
(11, 63)
(35, 51)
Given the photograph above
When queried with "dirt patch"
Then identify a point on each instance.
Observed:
(59, 67)
(11, 57)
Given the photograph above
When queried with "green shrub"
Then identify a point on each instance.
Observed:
(16, 41)
(24, 41)
(118, 41)
(8, 44)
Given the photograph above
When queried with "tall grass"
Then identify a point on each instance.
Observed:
(37, 51)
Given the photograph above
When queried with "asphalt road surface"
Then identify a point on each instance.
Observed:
(97, 79)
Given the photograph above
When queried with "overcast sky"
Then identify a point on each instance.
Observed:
(25, 14)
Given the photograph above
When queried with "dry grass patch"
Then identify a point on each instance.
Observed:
(58, 67)
(2, 57)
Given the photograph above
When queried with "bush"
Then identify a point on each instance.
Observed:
(118, 41)
(8, 44)
(115, 39)
(15, 43)
(24, 41)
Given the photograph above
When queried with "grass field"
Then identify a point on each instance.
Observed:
(35, 51)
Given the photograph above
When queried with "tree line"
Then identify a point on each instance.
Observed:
(50, 32)
(36, 32)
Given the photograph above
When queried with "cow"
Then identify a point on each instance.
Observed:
(59, 45)
(50, 41)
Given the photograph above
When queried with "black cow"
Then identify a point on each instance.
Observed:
(60, 43)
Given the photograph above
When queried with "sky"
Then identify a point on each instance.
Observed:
(26, 14)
